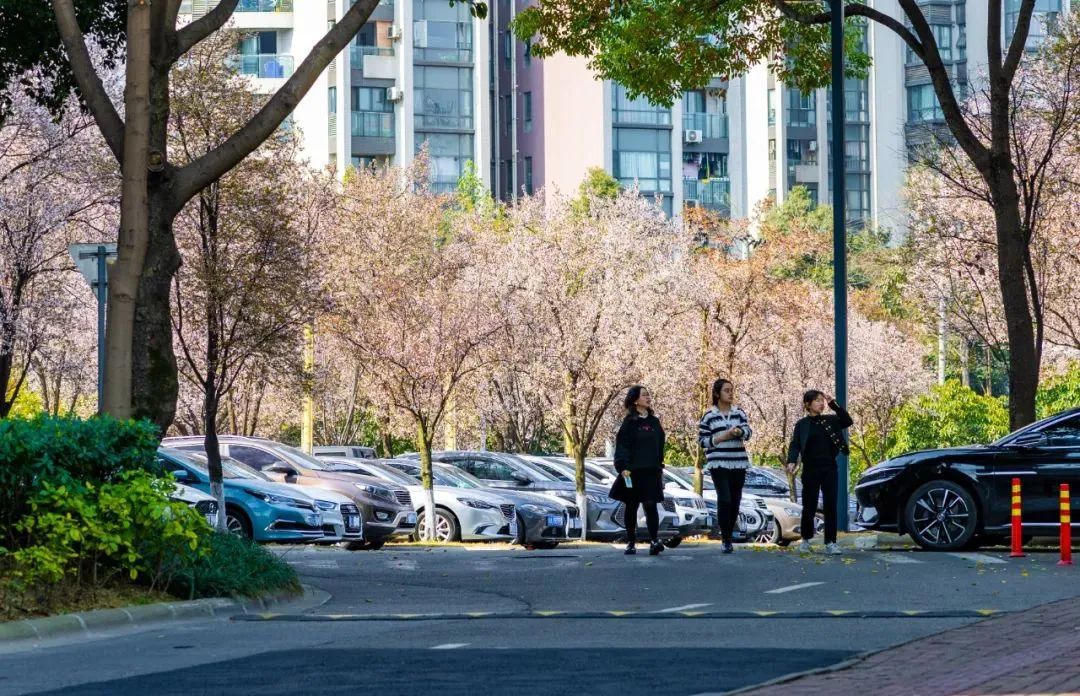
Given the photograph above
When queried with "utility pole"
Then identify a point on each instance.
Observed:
(836, 37)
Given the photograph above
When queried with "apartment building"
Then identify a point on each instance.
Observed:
(416, 74)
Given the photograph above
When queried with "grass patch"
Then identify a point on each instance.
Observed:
(67, 598)
(235, 567)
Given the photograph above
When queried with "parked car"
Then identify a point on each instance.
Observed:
(464, 511)
(203, 503)
(256, 509)
(960, 497)
(386, 513)
(349, 451)
(542, 521)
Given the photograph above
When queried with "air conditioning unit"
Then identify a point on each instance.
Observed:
(813, 146)
(393, 32)
(692, 136)
(420, 33)
(394, 94)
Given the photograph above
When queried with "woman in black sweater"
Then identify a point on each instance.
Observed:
(817, 441)
(639, 460)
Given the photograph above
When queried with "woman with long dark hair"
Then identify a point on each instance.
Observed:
(818, 439)
(722, 432)
(639, 461)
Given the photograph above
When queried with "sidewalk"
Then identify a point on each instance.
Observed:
(1031, 652)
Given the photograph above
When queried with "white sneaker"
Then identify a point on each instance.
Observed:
(803, 547)
(833, 549)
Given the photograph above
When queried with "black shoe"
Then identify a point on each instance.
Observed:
(727, 548)
(655, 548)
(630, 549)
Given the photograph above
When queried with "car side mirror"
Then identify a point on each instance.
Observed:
(181, 475)
(281, 468)
(1030, 441)
(522, 480)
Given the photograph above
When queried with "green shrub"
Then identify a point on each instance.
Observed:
(1059, 392)
(89, 534)
(48, 450)
(951, 415)
(234, 567)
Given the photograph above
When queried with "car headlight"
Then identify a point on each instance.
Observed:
(536, 509)
(599, 498)
(478, 504)
(272, 498)
(325, 505)
(792, 512)
(377, 492)
(881, 472)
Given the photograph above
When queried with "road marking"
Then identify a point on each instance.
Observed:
(898, 558)
(792, 588)
(321, 565)
(686, 607)
(977, 557)
(449, 646)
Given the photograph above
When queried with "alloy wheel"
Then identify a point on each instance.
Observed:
(940, 516)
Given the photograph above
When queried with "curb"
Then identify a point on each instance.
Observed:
(87, 623)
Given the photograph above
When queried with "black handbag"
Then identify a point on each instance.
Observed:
(618, 490)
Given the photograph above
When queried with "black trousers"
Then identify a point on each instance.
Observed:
(821, 478)
(652, 520)
(729, 484)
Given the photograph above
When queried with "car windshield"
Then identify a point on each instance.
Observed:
(197, 462)
(552, 470)
(680, 478)
(299, 457)
(233, 469)
(388, 473)
(454, 477)
(530, 470)
(1026, 429)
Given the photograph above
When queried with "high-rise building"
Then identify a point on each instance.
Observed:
(416, 74)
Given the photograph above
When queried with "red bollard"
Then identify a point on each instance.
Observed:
(1017, 532)
(1066, 527)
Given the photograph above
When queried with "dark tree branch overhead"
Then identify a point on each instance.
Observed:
(203, 27)
(1019, 40)
(90, 85)
(196, 175)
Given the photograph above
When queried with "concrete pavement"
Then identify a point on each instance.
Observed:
(689, 621)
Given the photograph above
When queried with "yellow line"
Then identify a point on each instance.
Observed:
(620, 613)
(548, 613)
(766, 613)
(839, 612)
(989, 612)
(691, 613)
(914, 612)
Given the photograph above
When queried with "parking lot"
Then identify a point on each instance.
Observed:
(411, 619)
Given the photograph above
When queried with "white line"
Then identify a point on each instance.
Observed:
(449, 646)
(977, 557)
(686, 607)
(792, 588)
(898, 558)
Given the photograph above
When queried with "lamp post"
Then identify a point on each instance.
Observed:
(836, 37)
(92, 261)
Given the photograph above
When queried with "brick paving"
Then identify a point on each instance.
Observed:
(1031, 652)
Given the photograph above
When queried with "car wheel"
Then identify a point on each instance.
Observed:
(770, 535)
(941, 516)
(237, 523)
(520, 538)
(673, 542)
(446, 526)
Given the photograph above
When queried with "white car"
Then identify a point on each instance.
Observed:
(340, 514)
(202, 502)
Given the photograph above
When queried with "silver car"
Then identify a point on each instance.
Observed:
(204, 503)
(463, 511)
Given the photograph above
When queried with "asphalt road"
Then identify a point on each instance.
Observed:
(467, 620)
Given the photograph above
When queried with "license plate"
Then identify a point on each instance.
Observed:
(513, 528)
(352, 521)
(411, 518)
(554, 520)
(710, 521)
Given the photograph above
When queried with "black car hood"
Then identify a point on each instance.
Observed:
(920, 456)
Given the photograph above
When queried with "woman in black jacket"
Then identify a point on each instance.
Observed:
(639, 460)
(817, 441)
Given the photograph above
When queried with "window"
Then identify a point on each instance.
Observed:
(801, 109)
(443, 98)
(644, 156)
(489, 470)
(528, 52)
(332, 100)
(772, 149)
(505, 113)
(1042, 20)
(694, 102)
(637, 111)
(923, 104)
(772, 106)
(943, 37)
(508, 50)
(372, 115)
(702, 166)
(527, 104)
(449, 152)
(1065, 434)
(255, 458)
(529, 175)
(442, 33)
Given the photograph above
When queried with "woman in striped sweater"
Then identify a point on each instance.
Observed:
(722, 433)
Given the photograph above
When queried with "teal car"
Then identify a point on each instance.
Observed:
(260, 510)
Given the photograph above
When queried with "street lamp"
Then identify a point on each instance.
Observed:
(836, 37)
(92, 261)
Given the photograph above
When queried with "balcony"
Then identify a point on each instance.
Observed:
(262, 65)
(714, 194)
(265, 6)
(642, 117)
(373, 61)
(711, 125)
(439, 121)
(373, 124)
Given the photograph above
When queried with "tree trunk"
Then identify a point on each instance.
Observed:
(1012, 247)
(965, 363)
(579, 484)
(423, 444)
(153, 376)
(211, 401)
(133, 238)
